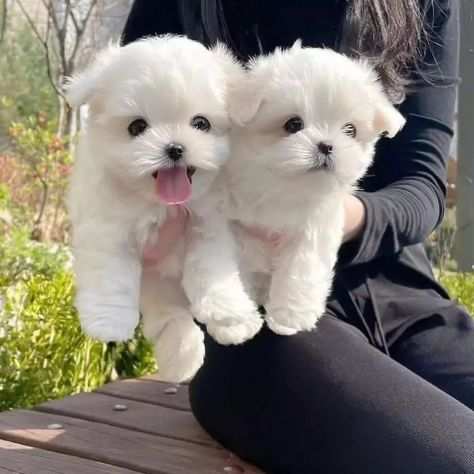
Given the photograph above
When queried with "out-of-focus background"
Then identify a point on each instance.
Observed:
(43, 354)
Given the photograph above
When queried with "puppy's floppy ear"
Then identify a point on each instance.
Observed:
(245, 99)
(82, 87)
(388, 121)
(242, 98)
(236, 84)
(246, 96)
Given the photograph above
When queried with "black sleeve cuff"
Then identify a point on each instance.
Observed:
(363, 249)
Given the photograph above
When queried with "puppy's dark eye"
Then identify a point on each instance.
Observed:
(350, 130)
(201, 123)
(294, 125)
(137, 127)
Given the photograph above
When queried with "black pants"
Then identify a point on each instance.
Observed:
(329, 402)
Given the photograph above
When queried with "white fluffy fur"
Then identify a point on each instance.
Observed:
(274, 186)
(114, 207)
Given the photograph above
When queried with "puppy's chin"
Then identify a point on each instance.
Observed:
(297, 162)
(202, 182)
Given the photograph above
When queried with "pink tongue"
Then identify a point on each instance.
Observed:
(173, 185)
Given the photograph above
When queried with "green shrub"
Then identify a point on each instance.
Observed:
(43, 353)
(42, 160)
(440, 243)
(21, 258)
(461, 287)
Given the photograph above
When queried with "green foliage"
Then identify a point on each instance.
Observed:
(34, 172)
(42, 163)
(461, 287)
(21, 259)
(43, 352)
(6, 218)
(4, 196)
(440, 244)
(36, 141)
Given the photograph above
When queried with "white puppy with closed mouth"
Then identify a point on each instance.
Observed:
(307, 122)
(155, 140)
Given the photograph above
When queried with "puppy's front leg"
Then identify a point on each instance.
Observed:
(212, 282)
(302, 280)
(107, 272)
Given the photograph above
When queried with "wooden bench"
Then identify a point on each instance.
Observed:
(129, 426)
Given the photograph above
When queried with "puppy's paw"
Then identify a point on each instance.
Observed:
(236, 333)
(120, 327)
(225, 307)
(179, 350)
(286, 322)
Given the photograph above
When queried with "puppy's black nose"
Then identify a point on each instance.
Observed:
(324, 148)
(175, 151)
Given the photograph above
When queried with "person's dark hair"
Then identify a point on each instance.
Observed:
(390, 33)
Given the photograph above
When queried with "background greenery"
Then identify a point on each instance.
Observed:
(461, 287)
(43, 353)
(24, 88)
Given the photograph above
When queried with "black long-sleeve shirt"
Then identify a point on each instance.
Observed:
(404, 191)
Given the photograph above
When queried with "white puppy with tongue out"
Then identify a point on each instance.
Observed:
(155, 140)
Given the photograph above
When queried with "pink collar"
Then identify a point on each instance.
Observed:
(267, 236)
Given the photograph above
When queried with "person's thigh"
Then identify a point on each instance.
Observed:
(328, 402)
(441, 350)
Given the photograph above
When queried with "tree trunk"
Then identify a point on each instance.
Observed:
(68, 123)
(67, 119)
(465, 183)
(3, 20)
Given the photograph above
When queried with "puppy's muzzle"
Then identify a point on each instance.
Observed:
(323, 158)
(175, 152)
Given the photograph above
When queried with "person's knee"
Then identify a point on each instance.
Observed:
(439, 349)
(322, 359)
(332, 343)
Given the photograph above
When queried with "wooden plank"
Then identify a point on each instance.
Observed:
(19, 459)
(149, 454)
(156, 377)
(149, 391)
(139, 416)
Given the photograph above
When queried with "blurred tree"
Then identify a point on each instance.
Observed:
(24, 87)
(3, 19)
(72, 31)
(45, 163)
(61, 39)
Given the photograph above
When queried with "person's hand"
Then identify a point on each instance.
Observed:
(354, 219)
(162, 240)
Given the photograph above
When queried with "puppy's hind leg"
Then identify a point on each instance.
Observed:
(168, 323)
